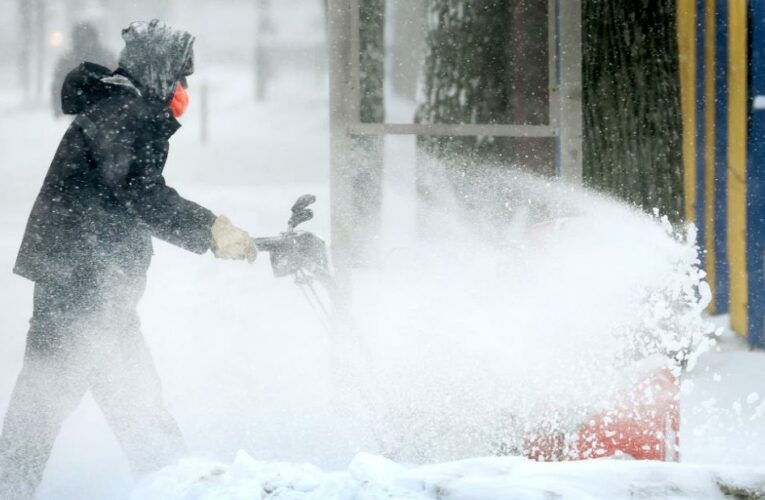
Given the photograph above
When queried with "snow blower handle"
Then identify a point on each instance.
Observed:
(300, 212)
(269, 244)
(295, 252)
(298, 253)
(303, 256)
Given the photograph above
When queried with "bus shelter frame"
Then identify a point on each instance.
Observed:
(564, 28)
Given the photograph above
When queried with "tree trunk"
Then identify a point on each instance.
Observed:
(465, 81)
(632, 121)
(529, 84)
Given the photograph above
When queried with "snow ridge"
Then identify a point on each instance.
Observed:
(372, 477)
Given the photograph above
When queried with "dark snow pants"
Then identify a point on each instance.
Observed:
(81, 338)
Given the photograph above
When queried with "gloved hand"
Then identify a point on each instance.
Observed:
(230, 242)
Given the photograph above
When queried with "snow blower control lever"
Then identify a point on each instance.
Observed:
(302, 255)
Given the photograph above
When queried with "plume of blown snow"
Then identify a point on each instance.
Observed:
(520, 306)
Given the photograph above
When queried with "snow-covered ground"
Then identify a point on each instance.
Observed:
(254, 381)
(374, 477)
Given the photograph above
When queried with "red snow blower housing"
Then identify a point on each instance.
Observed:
(641, 422)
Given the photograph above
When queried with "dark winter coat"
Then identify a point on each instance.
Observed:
(104, 195)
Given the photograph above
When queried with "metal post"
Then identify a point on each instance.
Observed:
(553, 76)
(204, 113)
(260, 63)
(570, 54)
(341, 90)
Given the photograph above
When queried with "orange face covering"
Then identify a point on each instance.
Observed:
(179, 102)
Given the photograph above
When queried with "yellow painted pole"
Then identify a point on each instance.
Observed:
(737, 140)
(686, 41)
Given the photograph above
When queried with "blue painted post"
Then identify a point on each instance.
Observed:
(755, 181)
(700, 123)
(558, 149)
(722, 270)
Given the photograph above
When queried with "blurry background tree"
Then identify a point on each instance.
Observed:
(263, 28)
(465, 78)
(486, 63)
(24, 45)
(372, 60)
(31, 48)
(631, 102)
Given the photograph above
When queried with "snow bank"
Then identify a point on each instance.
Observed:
(371, 477)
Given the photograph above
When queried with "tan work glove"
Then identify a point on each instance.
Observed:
(230, 242)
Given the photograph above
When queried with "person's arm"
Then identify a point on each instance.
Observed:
(169, 216)
(130, 170)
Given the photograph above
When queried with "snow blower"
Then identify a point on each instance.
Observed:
(302, 255)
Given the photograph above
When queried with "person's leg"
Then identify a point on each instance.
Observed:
(129, 392)
(127, 387)
(49, 387)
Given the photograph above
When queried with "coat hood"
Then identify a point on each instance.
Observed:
(156, 56)
(88, 84)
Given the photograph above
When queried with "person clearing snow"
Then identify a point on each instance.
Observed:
(87, 247)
